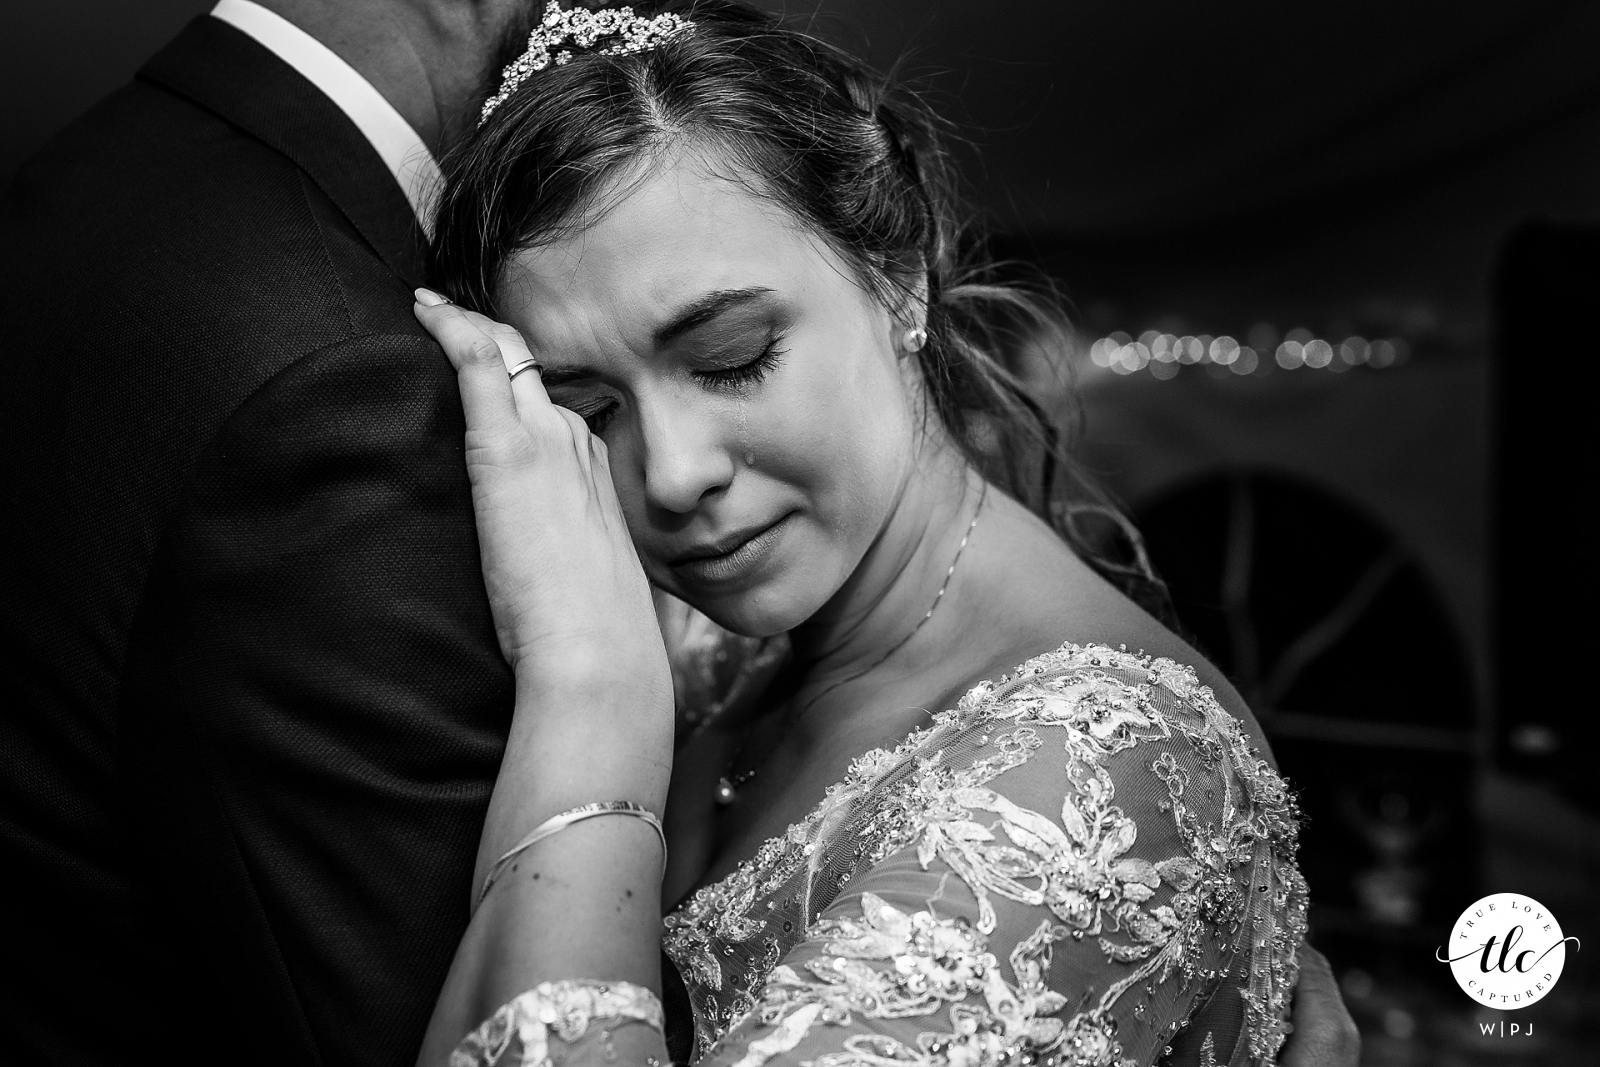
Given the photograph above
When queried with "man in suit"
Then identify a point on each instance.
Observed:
(253, 700)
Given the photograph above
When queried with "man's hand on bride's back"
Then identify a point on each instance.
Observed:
(1324, 1034)
(564, 581)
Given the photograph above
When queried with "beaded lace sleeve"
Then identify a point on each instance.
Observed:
(551, 1021)
(1085, 863)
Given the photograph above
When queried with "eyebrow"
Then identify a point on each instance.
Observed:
(691, 316)
(698, 312)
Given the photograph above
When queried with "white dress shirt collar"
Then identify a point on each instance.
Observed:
(407, 158)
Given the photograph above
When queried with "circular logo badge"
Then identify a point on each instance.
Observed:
(1506, 951)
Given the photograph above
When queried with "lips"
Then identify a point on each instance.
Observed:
(729, 557)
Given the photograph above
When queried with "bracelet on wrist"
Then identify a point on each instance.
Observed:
(560, 821)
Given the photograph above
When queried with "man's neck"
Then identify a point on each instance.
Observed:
(429, 58)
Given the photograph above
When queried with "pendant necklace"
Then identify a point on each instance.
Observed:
(728, 786)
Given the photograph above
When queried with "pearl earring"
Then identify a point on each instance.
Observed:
(916, 337)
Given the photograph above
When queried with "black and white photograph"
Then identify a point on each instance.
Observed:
(798, 533)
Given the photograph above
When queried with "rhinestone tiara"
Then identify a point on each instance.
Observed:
(560, 32)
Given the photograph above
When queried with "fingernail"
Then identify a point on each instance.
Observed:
(428, 298)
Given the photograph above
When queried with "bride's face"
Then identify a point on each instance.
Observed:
(759, 420)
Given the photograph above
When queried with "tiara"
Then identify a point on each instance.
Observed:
(560, 31)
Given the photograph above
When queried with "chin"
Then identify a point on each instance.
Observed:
(764, 610)
(749, 616)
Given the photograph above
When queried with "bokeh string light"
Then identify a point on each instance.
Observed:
(1165, 354)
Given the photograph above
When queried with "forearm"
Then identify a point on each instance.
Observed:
(582, 733)
(585, 902)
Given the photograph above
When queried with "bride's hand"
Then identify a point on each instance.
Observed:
(564, 581)
(593, 711)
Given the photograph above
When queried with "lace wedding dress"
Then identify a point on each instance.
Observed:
(1085, 863)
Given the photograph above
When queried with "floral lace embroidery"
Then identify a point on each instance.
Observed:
(935, 963)
(890, 964)
(562, 1010)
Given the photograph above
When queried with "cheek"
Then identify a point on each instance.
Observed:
(839, 429)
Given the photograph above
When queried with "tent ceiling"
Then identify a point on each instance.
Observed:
(1110, 115)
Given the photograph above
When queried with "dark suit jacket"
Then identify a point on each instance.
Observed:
(253, 704)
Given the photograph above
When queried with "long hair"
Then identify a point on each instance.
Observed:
(861, 160)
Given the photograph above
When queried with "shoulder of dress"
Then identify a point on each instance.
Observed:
(1111, 699)
(1078, 684)
(1076, 658)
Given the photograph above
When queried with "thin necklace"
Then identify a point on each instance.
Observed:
(728, 788)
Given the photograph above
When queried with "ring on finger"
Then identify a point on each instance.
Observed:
(527, 364)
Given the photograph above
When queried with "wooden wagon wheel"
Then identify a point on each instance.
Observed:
(1332, 631)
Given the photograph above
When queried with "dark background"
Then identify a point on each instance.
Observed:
(1387, 558)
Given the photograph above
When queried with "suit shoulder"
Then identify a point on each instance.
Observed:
(151, 207)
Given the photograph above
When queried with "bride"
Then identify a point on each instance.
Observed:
(991, 811)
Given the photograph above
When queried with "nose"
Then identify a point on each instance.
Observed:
(685, 458)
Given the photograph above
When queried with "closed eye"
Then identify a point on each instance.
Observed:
(596, 414)
(750, 372)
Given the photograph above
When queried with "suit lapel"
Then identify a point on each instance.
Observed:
(228, 72)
